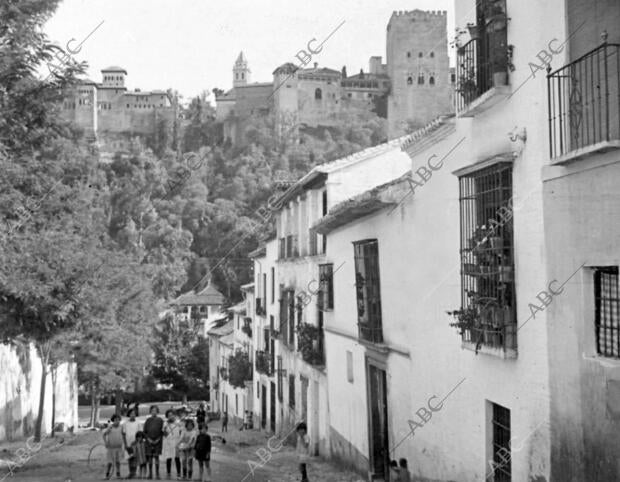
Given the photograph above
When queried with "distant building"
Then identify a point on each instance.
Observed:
(414, 87)
(110, 113)
(202, 306)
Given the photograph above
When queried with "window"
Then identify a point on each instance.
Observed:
(202, 309)
(607, 311)
(409, 80)
(280, 381)
(349, 366)
(408, 55)
(291, 319)
(324, 203)
(421, 79)
(487, 256)
(282, 248)
(318, 94)
(420, 55)
(500, 429)
(291, 391)
(453, 77)
(326, 286)
(349, 95)
(273, 285)
(432, 54)
(431, 80)
(368, 290)
(264, 290)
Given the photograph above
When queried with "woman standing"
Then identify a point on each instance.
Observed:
(186, 447)
(172, 433)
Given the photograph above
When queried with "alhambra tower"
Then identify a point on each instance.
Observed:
(419, 70)
(241, 71)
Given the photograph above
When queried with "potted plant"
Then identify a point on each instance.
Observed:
(466, 319)
(474, 31)
(467, 85)
(505, 274)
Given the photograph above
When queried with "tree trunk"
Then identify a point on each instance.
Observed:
(43, 353)
(184, 398)
(118, 400)
(54, 374)
(94, 404)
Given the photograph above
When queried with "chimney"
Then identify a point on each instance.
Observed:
(344, 71)
(316, 65)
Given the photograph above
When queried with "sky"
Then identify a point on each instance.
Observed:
(191, 45)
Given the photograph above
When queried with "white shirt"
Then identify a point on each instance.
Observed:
(130, 429)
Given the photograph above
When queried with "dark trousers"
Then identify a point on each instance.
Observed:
(177, 464)
(304, 474)
(133, 466)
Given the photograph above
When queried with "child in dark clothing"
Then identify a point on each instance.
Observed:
(203, 453)
(404, 474)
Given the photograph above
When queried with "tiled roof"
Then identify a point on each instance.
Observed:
(208, 296)
(114, 68)
(222, 330)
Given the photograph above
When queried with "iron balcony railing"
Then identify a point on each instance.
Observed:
(472, 74)
(264, 363)
(584, 101)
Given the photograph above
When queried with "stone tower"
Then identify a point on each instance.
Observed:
(286, 99)
(241, 71)
(419, 70)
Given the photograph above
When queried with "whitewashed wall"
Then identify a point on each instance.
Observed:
(20, 386)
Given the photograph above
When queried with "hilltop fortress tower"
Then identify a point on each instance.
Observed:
(418, 68)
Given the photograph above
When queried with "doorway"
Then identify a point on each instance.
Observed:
(263, 407)
(378, 436)
(272, 407)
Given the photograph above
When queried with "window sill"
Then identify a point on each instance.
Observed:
(577, 154)
(490, 98)
(603, 362)
(503, 353)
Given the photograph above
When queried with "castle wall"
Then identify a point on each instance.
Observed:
(313, 111)
(417, 48)
(252, 99)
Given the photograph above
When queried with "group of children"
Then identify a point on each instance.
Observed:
(399, 471)
(178, 440)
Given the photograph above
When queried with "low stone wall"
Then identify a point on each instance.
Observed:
(20, 385)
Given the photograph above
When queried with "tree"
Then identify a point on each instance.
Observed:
(239, 368)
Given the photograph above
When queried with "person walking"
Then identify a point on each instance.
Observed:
(303, 450)
(129, 429)
(201, 414)
(202, 451)
(186, 444)
(113, 441)
(225, 422)
(154, 431)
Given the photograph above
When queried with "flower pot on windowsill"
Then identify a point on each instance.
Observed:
(500, 79)
(474, 31)
(505, 274)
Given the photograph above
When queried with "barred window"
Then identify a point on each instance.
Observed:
(502, 471)
(368, 290)
(280, 381)
(326, 286)
(607, 311)
(487, 256)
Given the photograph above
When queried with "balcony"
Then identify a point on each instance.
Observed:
(482, 76)
(247, 326)
(260, 308)
(311, 344)
(264, 363)
(584, 105)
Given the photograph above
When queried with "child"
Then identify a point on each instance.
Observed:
(225, 422)
(154, 431)
(186, 447)
(203, 453)
(129, 430)
(172, 433)
(113, 440)
(404, 472)
(303, 450)
(139, 451)
(394, 473)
